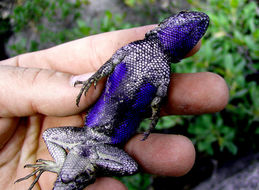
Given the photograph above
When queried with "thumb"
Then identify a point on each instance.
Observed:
(28, 91)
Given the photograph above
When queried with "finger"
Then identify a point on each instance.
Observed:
(7, 129)
(196, 93)
(48, 92)
(195, 49)
(191, 93)
(160, 154)
(83, 55)
(27, 91)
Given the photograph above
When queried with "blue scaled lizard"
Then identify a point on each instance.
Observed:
(138, 78)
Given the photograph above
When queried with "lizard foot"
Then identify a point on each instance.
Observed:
(145, 135)
(45, 165)
(85, 87)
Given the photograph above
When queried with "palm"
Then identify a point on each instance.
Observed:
(26, 146)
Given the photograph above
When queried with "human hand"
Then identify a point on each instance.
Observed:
(37, 93)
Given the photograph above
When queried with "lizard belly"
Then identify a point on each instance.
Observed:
(121, 107)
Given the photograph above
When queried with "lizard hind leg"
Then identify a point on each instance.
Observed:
(79, 164)
(115, 161)
(57, 140)
(83, 161)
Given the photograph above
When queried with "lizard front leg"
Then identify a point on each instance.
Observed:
(155, 106)
(79, 169)
(103, 71)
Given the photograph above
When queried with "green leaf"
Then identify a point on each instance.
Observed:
(234, 3)
(137, 182)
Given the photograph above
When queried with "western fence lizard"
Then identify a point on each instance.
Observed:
(138, 78)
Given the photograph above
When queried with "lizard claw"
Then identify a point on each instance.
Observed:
(78, 82)
(85, 87)
(145, 135)
(95, 83)
(46, 165)
(30, 175)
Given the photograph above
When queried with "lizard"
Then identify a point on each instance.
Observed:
(138, 76)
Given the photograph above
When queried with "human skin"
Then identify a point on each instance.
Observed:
(37, 93)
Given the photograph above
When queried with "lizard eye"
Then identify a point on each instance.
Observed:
(182, 12)
(164, 21)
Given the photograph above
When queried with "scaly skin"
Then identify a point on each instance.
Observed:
(138, 78)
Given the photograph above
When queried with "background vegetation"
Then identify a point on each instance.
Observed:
(230, 49)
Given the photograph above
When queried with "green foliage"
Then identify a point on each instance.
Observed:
(231, 49)
(133, 3)
(163, 123)
(112, 22)
(210, 129)
(4, 26)
(138, 181)
(40, 17)
(32, 12)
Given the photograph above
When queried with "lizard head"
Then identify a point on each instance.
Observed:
(178, 34)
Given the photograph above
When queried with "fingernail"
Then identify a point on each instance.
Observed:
(82, 77)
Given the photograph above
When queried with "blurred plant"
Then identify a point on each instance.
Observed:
(210, 129)
(133, 3)
(138, 181)
(231, 49)
(40, 17)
